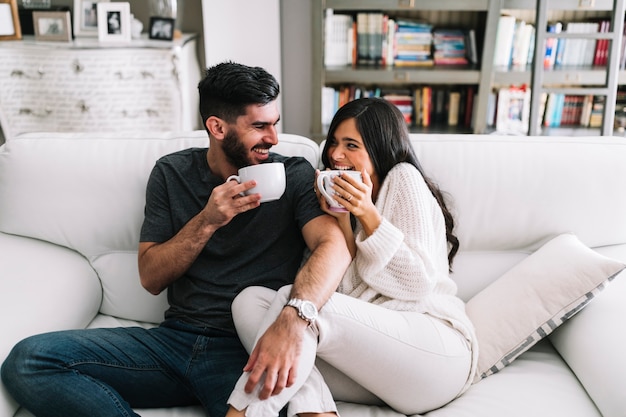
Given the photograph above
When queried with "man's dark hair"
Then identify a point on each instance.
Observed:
(228, 88)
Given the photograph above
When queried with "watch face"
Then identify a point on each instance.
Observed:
(309, 311)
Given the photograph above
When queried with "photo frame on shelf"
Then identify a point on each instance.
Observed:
(86, 17)
(52, 26)
(114, 22)
(161, 28)
(10, 28)
(513, 110)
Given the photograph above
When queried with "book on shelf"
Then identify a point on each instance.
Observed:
(470, 46)
(579, 52)
(337, 39)
(413, 40)
(524, 34)
(549, 55)
(389, 30)
(597, 111)
(375, 34)
(421, 105)
(403, 100)
(362, 38)
(585, 113)
(601, 53)
(505, 33)
(449, 47)
(515, 43)
(427, 92)
(468, 109)
(454, 104)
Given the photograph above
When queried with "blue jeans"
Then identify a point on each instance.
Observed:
(108, 372)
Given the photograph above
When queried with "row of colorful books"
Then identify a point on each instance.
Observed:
(422, 106)
(377, 39)
(511, 109)
(515, 44)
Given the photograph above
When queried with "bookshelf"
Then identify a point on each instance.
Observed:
(485, 77)
(577, 84)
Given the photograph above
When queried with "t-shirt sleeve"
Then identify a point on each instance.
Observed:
(157, 225)
(306, 205)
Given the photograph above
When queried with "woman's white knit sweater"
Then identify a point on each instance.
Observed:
(403, 265)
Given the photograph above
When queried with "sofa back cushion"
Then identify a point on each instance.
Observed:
(86, 192)
(510, 194)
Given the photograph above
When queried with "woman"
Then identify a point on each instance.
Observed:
(395, 332)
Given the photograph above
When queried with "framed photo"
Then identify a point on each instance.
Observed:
(114, 22)
(86, 17)
(161, 28)
(52, 26)
(10, 28)
(513, 110)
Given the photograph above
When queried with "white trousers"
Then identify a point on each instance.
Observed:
(359, 352)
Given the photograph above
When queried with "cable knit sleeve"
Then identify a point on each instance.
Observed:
(403, 259)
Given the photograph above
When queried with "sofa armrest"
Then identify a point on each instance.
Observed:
(593, 344)
(43, 287)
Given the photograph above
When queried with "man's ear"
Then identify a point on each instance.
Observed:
(216, 127)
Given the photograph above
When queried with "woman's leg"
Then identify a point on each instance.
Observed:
(412, 361)
(254, 310)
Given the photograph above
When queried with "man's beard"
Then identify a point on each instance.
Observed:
(235, 152)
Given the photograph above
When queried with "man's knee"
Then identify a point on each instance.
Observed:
(16, 365)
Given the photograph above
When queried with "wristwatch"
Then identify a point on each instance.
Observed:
(306, 309)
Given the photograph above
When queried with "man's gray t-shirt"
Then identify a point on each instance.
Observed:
(263, 246)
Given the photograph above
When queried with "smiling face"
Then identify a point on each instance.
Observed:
(346, 150)
(248, 140)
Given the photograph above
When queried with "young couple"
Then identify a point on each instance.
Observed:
(371, 316)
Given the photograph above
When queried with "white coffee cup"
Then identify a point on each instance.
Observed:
(325, 185)
(269, 177)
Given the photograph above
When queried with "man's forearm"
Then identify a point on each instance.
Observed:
(319, 277)
(160, 264)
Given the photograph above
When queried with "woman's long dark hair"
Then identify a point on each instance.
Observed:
(386, 139)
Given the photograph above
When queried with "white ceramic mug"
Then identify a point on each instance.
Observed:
(269, 177)
(325, 185)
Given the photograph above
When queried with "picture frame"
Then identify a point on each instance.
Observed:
(161, 28)
(513, 110)
(52, 26)
(114, 22)
(86, 17)
(10, 28)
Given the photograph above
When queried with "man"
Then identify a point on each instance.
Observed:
(203, 243)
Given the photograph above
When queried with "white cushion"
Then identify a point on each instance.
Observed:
(510, 192)
(594, 343)
(43, 287)
(86, 191)
(533, 298)
(538, 383)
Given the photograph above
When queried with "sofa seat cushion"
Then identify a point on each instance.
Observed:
(538, 383)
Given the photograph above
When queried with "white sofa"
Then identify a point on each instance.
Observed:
(71, 206)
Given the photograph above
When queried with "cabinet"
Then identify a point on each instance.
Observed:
(86, 86)
(483, 17)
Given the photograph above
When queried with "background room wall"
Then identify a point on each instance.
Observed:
(294, 48)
